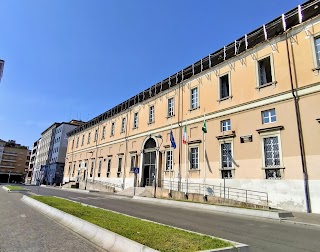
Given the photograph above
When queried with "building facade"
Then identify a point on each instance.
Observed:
(50, 152)
(33, 156)
(14, 161)
(257, 99)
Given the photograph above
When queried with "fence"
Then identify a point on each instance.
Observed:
(243, 195)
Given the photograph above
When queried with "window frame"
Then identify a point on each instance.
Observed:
(220, 98)
(123, 125)
(99, 168)
(272, 71)
(191, 158)
(151, 114)
(269, 111)
(112, 128)
(134, 163)
(229, 169)
(103, 134)
(135, 120)
(108, 167)
(89, 136)
(227, 127)
(82, 140)
(170, 107)
(191, 98)
(119, 171)
(265, 168)
(96, 135)
(168, 161)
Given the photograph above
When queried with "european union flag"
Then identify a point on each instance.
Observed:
(173, 143)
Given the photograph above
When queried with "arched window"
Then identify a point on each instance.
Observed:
(150, 143)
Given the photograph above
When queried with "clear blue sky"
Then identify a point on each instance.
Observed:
(55, 51)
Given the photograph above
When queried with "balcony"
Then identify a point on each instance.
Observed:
(10, 153)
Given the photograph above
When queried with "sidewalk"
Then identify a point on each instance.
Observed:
(24, 229)
(310, 219)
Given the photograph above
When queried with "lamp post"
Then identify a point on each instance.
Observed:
(156, 166)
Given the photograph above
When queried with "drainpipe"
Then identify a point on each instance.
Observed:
(300, 133)
(180, 134)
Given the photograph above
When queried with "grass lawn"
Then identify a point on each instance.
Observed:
(153, 235)
(15, 188)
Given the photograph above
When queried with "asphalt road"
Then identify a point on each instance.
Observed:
(259, 234)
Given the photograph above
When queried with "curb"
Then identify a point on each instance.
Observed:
(14, 191)
(73, 190)
(103, 237)
(223, 209)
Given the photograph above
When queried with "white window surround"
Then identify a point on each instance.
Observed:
(273, 82)
(190, 158)
(269, 116)
(170, 107)
(194, 98)
(219, 86)
(135, 120)
(229, 141)
(123, 125)
(225, 125)
(151, 118)
(168, 160)
(268, 134)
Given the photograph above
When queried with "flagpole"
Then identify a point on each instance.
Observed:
(204, 158)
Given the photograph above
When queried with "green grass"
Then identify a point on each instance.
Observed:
(15, 188)
(156, 236)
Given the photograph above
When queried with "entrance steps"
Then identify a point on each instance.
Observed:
(130, 191)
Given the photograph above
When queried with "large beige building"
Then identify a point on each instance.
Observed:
(260, 97)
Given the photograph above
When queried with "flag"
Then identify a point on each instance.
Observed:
(173, 143)
(204, 128)
(184, 137)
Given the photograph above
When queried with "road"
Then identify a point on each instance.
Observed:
(259, 234)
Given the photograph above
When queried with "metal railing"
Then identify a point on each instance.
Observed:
(105, 183)
(149, 182)
(231, 193)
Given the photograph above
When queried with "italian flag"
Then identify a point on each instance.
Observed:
(184, 137)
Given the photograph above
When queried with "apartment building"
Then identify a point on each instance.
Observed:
(14, 160)
(49, 153)
(33, 156)
(246, 116)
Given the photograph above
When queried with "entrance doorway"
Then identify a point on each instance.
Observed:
(149, 163)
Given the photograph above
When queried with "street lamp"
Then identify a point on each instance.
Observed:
(156, 166)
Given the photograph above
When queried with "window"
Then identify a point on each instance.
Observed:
(224, 86)
(123, 125)
(132, 162)
(151, 114)
(96, 136)
(135, 120)
(73, 170)
(82, 141)
(269, 116)
(72, 144)
(170, 107)
(103, 132)
(109, 168)
(119, 167)
(112, 129)
(89, 135)
(317, 50)
(99, 169)
(168, 160)
(265, 71)
(69, 169)
(194, 158)
(91, 170)
(271, 157)
(77, 142)
(194, 98)
(225, 125)
(226, 159)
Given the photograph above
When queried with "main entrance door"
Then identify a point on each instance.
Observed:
(149, 162)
